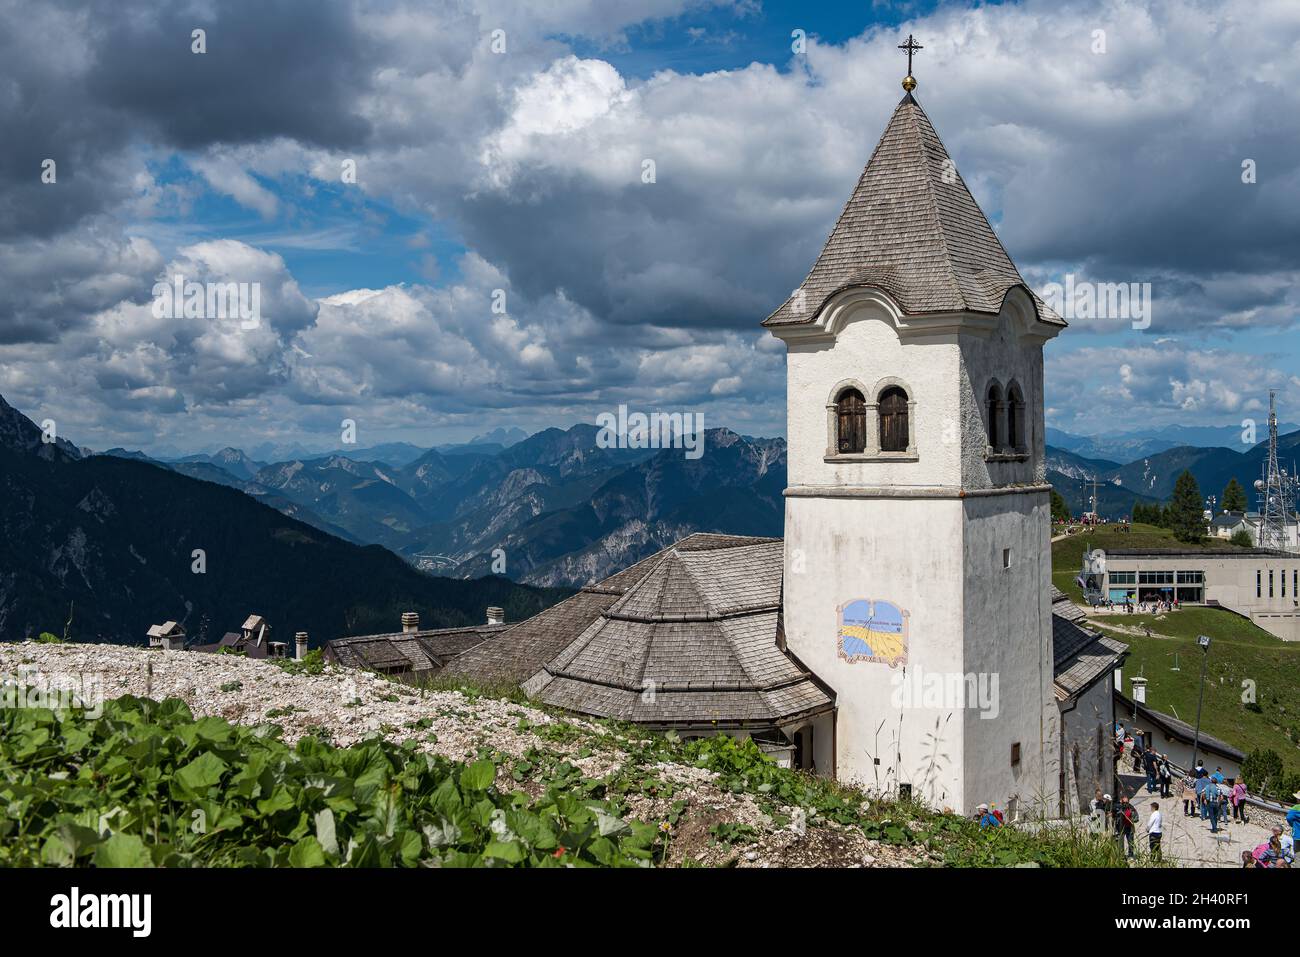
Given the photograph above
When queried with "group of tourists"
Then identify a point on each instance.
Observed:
(1149, 606)
(1125, 821)
(1209, 796)
(1279, 849)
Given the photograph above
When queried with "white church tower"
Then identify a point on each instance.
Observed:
(918, 566)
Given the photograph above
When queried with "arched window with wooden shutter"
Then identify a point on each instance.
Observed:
(894, 434)
(851, 421)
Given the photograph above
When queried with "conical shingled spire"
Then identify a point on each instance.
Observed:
(911, 228)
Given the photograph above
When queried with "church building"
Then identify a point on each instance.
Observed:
(901, 636)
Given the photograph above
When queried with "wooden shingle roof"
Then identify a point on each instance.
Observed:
(516, 655)
(913, 229)
(1080, 657)
(419, 651)
(1178, 730)
(692, 642)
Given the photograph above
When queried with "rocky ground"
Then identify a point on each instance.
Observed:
(348, 705)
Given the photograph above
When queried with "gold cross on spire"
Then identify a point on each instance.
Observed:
(911, 46)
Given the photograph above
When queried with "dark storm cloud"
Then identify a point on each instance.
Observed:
(292, 68)
(640, 255)
(85, 82)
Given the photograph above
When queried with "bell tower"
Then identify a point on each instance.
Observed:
(917, 515)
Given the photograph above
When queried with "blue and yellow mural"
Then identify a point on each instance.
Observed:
(871, 629)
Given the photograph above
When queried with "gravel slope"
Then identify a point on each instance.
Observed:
(350, 705)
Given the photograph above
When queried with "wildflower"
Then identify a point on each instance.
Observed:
(559, 851)
(665, 826)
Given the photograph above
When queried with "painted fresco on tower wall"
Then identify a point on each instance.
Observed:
(874, 630)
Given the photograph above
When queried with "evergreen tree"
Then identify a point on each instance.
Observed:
(1234, 497)
(1060, 511)
(1185, 514)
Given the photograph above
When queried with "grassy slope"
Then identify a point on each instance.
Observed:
(1239, 651)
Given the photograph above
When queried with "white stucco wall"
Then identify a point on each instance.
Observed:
(908, 532)
(838, 550)
(1008, 621)
(867, 351)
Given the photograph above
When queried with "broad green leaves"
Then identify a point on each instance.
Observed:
(201, 773)
(148, 785)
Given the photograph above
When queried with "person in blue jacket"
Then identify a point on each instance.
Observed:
(1293, 818)
(987, 818)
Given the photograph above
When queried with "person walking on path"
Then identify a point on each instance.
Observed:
(1166, 776)
(1203, 785)
(1155, 830)
(1149, 764)
(1126, 824)
(1239, 801)
(1215, 798)
(1098, 809)
(1189, 795)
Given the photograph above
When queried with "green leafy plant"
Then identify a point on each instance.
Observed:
(148, 784)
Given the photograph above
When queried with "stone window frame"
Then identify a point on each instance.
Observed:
(872, 452)
(994, 418)
(833, 416)
(1009, 450)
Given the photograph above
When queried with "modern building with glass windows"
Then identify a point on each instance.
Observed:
(1260, 584)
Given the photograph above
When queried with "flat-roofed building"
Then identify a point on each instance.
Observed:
(1258, 583)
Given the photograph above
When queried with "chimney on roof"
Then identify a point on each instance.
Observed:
(495, 615)
(410, 622)
(300, 645)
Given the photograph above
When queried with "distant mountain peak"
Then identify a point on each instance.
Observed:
(505, 436)
(21, 434)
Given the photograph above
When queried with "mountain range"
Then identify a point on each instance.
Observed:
(1129, 446)
(553, 508)
(116, 544)
(296, 539)
(556, 509)
(1150, 478)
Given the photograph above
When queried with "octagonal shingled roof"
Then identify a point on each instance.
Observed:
(913, 229)
(692, 642)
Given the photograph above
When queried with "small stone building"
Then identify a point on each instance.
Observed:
(1084, 663)
(169, 636)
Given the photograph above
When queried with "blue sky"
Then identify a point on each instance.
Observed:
(514, 175)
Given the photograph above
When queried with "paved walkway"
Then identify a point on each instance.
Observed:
(1188, 840)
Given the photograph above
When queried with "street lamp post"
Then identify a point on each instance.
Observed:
(1204, 642)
